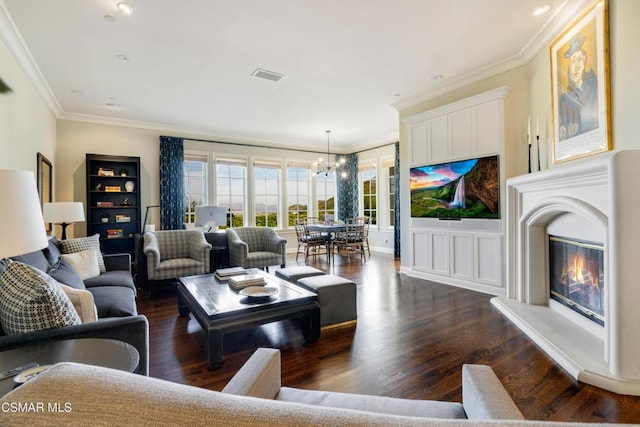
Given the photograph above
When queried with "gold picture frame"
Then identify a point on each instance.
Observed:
(580, 91)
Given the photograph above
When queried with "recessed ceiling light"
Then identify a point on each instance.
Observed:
(125, 7)
(124, 58)
(110, 18)
(396, 94)
(437, 77)
(79, 92)
(112, 105)
(541, 9)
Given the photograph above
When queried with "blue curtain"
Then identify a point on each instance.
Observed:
(348, 188)
(396, 204)
(171, 183)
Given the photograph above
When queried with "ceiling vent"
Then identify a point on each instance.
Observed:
(267, 75)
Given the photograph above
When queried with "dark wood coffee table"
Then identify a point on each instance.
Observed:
(220, 309)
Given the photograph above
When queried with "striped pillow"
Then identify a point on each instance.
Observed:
(30, 300)
(71, 246)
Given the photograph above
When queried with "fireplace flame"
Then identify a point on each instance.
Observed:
(577, 272)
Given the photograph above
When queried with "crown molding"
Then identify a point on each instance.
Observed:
(563, 16)
(18, 48)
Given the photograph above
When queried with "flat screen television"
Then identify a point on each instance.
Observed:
(456, 190)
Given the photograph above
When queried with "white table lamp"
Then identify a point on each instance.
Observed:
(63, 213)
(21, 222)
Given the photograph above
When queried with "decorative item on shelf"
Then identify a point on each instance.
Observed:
(104, 217)
(104, 204)
(105, 172)
(126, 202)
(112, 188)
(98, 187)
(129, 186)
(124, 172)
(115, 233)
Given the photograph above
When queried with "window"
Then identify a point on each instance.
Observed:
(368, 191)
(230, 188)
(195, 185)
(392, 195)
(297, 193)
(266, 178)
(326, 196)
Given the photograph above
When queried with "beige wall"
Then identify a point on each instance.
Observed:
(625, 74)
(27, 125)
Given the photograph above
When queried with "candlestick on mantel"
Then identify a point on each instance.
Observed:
(538, 144)
(529, 141)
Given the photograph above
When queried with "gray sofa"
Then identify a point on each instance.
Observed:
(114, 295)
(100, 396)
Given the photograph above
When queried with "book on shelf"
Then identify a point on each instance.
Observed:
(223, 274)
(104, 204)
(112, 188)
(123, 218)
(246, 280)
(115, 233)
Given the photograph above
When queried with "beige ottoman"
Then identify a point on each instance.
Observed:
(293, 274)
(336, 296)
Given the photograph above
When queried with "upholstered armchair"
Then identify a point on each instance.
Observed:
(175, 253)
(256, 247)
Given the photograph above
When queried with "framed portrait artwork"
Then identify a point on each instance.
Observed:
(580, 86)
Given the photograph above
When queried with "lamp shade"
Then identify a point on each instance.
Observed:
(66, 212)
(21, 224)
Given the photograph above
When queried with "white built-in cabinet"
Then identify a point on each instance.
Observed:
(469, 252)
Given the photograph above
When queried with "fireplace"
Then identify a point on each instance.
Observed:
(577, 203)
(576, 276)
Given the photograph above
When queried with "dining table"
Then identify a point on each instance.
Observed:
(329, 229)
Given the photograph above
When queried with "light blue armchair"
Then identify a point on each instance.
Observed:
(256, 247)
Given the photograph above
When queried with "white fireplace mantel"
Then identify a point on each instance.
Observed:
(594, 199)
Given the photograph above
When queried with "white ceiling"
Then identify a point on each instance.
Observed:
(346, 62)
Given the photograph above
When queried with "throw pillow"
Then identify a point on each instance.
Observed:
(84, 263)
(82, 301)
(52, 251)
(31, 301)
(70, 246)
(63, 272)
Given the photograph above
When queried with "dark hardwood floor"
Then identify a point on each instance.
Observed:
(410, 341)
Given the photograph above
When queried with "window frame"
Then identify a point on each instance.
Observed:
(362, 170)
(277, 166)
(189, 211)
(233, 161)
(306, 166)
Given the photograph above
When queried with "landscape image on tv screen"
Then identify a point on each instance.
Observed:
(454, 190)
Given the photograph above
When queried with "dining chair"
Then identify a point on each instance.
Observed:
(310, 242)
(350, 241)
(365, 221)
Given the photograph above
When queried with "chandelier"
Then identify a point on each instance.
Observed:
(325, 168)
